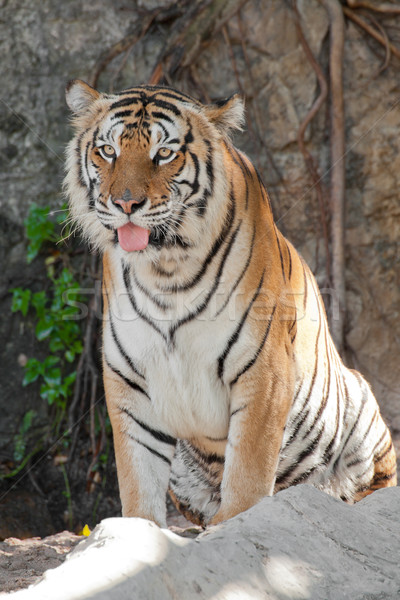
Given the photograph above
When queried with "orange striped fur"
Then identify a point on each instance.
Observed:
(222, 381)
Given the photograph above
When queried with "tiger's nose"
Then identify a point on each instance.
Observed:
(127, 203)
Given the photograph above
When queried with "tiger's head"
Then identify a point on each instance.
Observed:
(145, 167)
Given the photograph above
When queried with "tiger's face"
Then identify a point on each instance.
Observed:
(144, 165)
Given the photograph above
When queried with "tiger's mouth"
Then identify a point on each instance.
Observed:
(132, 237)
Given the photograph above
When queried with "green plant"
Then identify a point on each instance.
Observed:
(55, 313)
(40, 228)
(56, 325)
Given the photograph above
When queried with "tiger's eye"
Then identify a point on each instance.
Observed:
(107, 151)
(164, 153)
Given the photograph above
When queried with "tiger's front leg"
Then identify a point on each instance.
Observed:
(260, 403)
(143, 452)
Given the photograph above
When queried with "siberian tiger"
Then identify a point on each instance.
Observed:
(222, 382)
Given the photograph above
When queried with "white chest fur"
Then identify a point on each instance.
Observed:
(179, 372)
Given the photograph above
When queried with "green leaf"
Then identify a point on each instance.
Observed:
(20, 300)
(70, 356)
(33, 369)
(55, 345)
(49, 394)
(70, 379)
(52, 377)
(44, 328)
(39, 300)
(78, 347)
(39, 228)
(50, 361)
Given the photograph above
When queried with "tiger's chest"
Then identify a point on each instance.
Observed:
(178, 368)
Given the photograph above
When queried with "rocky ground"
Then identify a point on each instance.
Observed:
(22, 562)
(299, 544)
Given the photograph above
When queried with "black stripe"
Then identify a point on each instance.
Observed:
(305, 287)
(316, 352)
(327, 457)
(280, 254)
(253, 360)
(204, 304)
(164, 458)
(357, 461)
(327, 386)
(207, 458)
(86, 163)
(383, 477)
(121, 349)
(210, 165)
(121, 114)
(125, 102)
(230, 216)
(350, 434)
(195, 185)
(245, 170)
(129, 382)
(238, 410)
(117, 341)
(346, 399)
(160, 115)
(149, 294)
(385, 453)
(126, 272)
(360, 443)
(297, 428)
(179, 96)
(300, 423)
(302, 456)
(235, 336)
(242, 166)
(160, 436)
(166, 106)
(103, 212)
(238, 280)
(164, 130)
(304, 476)
(290, 260)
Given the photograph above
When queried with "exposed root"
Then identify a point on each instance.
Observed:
(309, 160)
(379, 37)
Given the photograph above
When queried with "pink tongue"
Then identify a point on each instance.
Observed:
(132, 237)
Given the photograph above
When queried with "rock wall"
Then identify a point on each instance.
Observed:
(44, 44)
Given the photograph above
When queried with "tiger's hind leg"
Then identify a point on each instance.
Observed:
(373, 455)
(195, 480)
(385, 471)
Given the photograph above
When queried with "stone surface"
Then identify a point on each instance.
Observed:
(298, 544)
(23, 561)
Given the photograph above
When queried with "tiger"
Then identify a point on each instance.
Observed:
(222, 382)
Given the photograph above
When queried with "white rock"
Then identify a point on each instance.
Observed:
(299, 544)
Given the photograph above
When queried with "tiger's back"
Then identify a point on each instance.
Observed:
(221, 378)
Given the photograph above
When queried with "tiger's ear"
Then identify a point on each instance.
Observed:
(226, 114)
(79, 96)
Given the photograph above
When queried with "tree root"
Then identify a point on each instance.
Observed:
(337, 191)
(309, 160)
